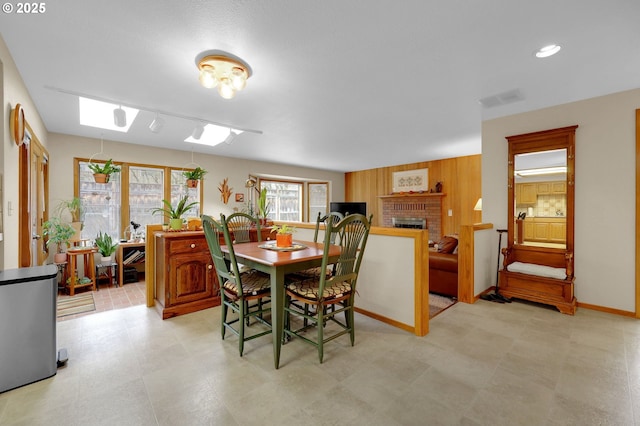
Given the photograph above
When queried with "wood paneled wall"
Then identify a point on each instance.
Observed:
(461, 184)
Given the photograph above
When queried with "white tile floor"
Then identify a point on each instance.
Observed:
(481, 364)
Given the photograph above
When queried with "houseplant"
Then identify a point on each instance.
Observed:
(74, 209)
(175, 213)
(264, 206)
(106, 247)
(58, 233)
(102, 172)
(193, 176)
(284, 235)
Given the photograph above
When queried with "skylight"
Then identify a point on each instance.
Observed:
(213, 135)
(100, 114)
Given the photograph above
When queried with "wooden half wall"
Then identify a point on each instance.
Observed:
(461, 182)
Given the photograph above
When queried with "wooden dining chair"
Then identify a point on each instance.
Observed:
(334, 217)
(237, 289)
(336, 291)
(240, 225)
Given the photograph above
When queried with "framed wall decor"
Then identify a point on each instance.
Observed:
(411, 181)
(239, 197)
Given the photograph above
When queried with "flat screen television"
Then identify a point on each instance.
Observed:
(348, 208)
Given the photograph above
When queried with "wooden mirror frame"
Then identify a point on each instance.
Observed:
(562, 138)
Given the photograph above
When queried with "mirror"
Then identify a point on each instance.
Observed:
(541, 198)
(541, 189)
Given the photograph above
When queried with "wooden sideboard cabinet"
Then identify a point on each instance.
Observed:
(185, 277)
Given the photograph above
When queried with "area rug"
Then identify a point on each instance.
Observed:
(76, 305)
(438, 304)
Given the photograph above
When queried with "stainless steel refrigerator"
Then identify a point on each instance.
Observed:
(27, 325)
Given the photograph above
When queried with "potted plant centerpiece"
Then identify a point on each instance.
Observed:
(193, 176)
(102, 172)
(175, 213)
(58, 233)
(106, 247)
(284, 235)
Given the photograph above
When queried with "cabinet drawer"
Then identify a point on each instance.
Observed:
(188, 245)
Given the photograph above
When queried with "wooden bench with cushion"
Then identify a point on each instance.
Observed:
(538, 275)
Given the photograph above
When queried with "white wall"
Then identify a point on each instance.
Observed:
(63, 149)
(605, 189)
(13, 92)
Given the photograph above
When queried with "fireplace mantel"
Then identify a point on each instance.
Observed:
(415, 194)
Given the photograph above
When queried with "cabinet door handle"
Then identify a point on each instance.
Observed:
(193, 245)
(209, 266)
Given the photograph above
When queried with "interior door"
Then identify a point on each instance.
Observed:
(34, 193)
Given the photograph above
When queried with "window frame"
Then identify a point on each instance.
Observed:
(124, 186)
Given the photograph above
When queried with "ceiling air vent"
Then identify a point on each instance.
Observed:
(504, 98)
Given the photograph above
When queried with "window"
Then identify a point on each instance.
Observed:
(146, 191)
(285, 199)
(130, 196)
(101, 202)
(318, 197)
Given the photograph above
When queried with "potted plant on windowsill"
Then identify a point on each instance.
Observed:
(264, 206)
(175, 213)
(106, 247)
(284, 235)
(193, 176)
(102, 172)
(60, 234)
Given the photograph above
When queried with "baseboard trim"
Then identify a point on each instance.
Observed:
(607, 310)
(386, 320)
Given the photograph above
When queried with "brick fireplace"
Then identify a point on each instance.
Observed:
(412, 206)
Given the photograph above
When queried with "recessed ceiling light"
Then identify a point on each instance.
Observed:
(547, 51)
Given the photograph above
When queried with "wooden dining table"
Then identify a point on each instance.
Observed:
(278, 263)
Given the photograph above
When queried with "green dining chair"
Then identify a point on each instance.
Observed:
(237, 289)
(334, 217)
(240, 225)
(336, 291)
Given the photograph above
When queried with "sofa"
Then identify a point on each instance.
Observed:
(443, 268)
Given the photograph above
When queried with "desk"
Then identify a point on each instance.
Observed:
(277, 264)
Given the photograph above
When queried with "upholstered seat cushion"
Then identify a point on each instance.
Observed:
(253, 283)
(313, 273)
(538, 270)
(310, 289)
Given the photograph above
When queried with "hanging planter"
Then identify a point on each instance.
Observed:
(102, 172)
(193, 176)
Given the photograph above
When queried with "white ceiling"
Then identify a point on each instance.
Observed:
(337, 85)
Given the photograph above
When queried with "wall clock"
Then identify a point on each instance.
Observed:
(17, 123)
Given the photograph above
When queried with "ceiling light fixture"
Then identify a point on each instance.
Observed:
(541, 171)
(197, 131)
(119, 117)
(545, 52)
(231, 137)
(157, 124)
(224, 72)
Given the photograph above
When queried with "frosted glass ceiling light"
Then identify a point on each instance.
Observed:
(547, 51)
(229, 74)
